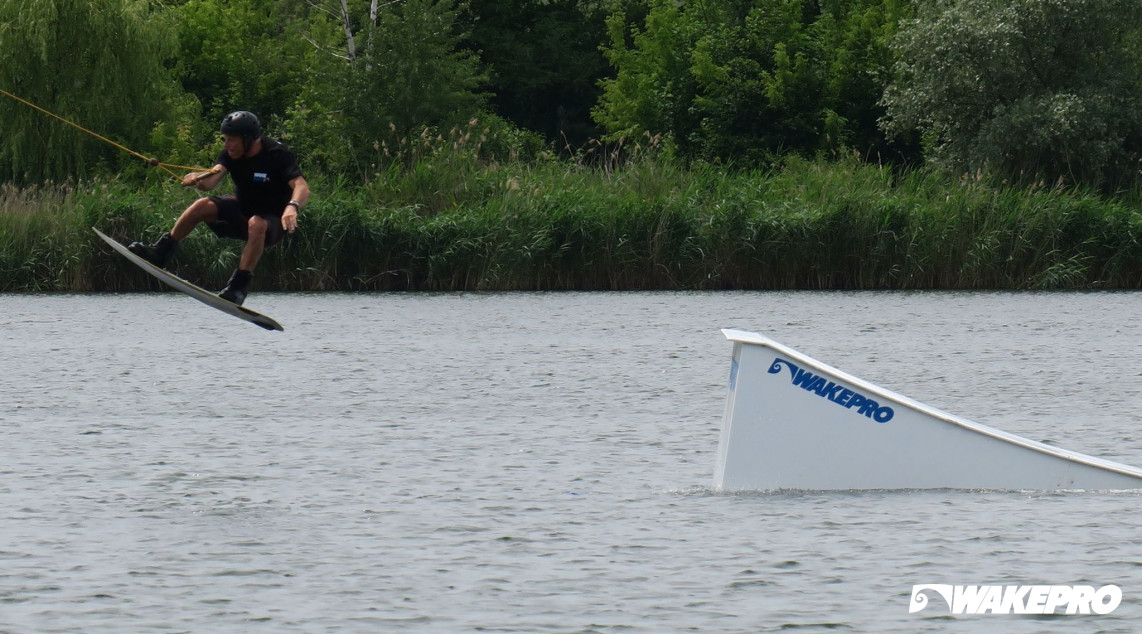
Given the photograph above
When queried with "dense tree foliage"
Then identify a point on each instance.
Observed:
(544, 61)
(747, 80)
(1025, 89)
(241, 53)
(1029, 89)
(100, 62)
(379, 79)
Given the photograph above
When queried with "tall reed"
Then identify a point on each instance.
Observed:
(447, 219)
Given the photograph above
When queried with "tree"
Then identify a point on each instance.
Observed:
(749, 81)
(241, 55)
(544, 63)
(1027, 89)
(411, 73)
(99, 63)
(653, 88)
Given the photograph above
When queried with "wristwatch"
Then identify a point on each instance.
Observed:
(295, 204)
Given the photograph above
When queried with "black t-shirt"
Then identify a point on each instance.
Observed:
(261, 182)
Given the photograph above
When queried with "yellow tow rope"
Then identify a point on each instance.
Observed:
(150, 161)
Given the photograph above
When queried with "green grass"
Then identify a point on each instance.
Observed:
(448, 221)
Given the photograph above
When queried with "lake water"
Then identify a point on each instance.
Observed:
(529, 463)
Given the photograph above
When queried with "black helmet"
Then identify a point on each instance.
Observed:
(243, 124)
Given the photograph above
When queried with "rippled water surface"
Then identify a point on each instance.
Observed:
(529, 463)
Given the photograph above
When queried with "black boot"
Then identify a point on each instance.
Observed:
(156, 253)
(235, 290)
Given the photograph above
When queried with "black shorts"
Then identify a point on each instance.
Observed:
(232, 222)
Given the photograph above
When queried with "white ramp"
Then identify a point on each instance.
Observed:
(792, 422)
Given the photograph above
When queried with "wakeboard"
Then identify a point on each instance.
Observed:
(201, 294)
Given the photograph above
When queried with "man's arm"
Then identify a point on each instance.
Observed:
(300, 196)
(205, 181)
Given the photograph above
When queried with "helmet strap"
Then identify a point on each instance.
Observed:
(248, 145)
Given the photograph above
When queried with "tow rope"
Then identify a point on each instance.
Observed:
(154, 162)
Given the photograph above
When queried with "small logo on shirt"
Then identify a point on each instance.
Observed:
(261, 177)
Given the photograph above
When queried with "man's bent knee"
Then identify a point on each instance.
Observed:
(201, 210)
(204, 210)
(256, 226)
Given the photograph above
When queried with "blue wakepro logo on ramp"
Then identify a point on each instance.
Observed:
(829, 390)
